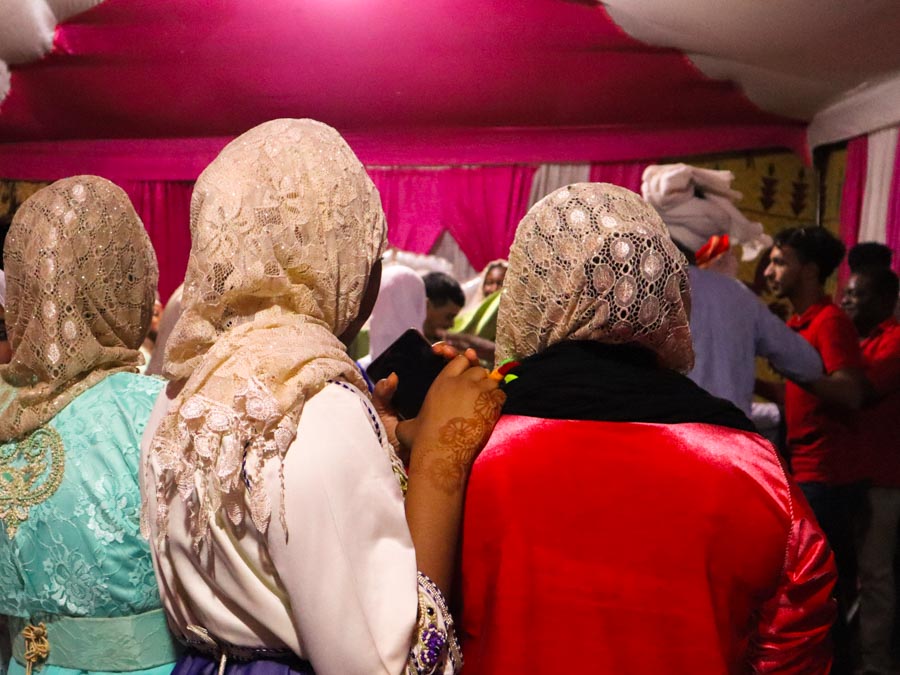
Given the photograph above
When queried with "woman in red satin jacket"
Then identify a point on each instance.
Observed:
(621, 519)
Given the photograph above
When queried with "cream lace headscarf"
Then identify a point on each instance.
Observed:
(593, 261)
(286, 226)
(81, 281)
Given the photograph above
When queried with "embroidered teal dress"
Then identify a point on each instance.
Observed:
(71, 552)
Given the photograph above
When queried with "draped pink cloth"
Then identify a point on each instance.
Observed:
(892, 226)
(626, 174)
(479, 206)
(165, 207)
(852, 198)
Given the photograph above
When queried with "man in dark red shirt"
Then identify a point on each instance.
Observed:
(869, 301)
(819, 416)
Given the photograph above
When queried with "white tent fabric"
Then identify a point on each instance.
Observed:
(879, 172)
(832, 63)
(26, 30)
(550, 177)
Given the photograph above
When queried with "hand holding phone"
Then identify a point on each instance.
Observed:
(416, 364)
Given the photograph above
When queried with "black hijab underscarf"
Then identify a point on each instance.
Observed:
(579, 380)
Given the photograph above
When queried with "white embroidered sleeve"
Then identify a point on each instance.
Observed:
(436, 648)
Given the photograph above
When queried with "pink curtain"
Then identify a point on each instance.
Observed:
(892, 226)
(165, 207)
(626, 174)
(852, 198)
(479, 206)
(412, 201)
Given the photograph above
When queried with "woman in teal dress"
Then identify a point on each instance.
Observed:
(77, 587)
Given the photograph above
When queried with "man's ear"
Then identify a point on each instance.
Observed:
(810, 271)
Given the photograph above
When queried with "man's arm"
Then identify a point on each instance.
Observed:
(788, 352)
(844, 383)
(847, 388)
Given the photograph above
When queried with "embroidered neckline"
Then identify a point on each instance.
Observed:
(31, 470)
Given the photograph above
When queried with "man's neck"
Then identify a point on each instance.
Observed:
(804, 298)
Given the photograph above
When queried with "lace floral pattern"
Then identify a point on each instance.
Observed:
(80, 552)
(285, 227)
(81, 281)
(593, 261)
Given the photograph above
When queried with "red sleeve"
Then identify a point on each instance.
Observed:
(838, 343)
(793, 633)
(883, 364)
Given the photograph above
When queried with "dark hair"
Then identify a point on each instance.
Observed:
(689, 255)
(869, 254)
(885, 284)
(813, 244)
(441, 288)
(496, 265)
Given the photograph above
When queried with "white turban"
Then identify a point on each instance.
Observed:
(699, 203)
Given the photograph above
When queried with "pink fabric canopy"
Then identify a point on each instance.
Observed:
(432, 82)
(452, 103)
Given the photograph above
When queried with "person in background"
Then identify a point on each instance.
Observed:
(167, 321)
(869, 254)
(77, 578)
(819, 415)
(400, 306)
(478, 329)
(872, 254)
(621, 519)
(869, 300)
(286, 535)
(494, 274)
(149, 345)
(445, 300)
(730, 327)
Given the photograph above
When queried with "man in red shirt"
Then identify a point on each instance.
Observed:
(869, 301)
(819, 416)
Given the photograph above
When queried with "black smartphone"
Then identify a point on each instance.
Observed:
(409, 356)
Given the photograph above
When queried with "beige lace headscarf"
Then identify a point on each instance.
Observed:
(286, 226)
(593, 261)
(81, 281)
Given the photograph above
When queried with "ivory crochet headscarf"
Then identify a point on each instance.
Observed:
(81, 280)
(285, 229)
(593, 261)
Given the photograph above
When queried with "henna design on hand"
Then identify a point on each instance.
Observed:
(460, 440)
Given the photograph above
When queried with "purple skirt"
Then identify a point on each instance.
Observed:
(194, 663)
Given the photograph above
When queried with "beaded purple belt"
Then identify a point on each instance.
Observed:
(194, 662)
(207, 655)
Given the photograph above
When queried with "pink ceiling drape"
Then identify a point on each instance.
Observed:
(852, 198)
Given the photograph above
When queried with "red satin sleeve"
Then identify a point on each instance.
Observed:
(794, 625)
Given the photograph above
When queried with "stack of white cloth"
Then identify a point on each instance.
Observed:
(698, 203)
